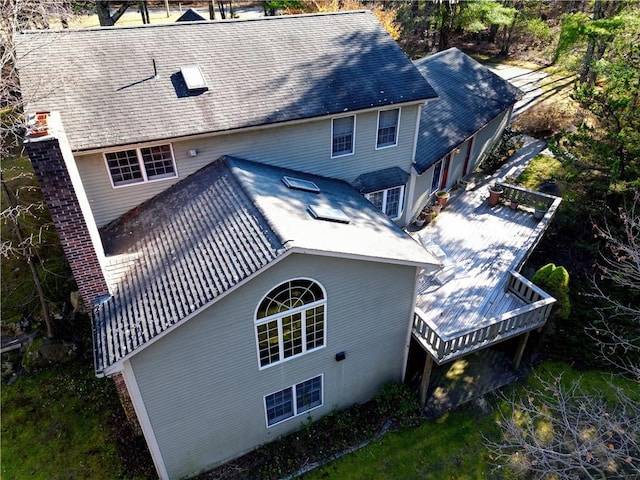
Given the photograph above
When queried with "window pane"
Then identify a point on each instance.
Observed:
(387, 127)
(268, 343)
(308, 395)
(124, 167)
(292, 335)
(435, 181)
(158, 161)
(279, 406)
(315, 327)
(376, 198)
(342, 136)
(392, 207)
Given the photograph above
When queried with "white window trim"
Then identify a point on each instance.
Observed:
(353, 140)
(435, 165)
(397, 128)
(295, 407)
(278, 317)
(141, 163)
(384, 199)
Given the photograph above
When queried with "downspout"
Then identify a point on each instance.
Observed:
(407, 343)
(409, 197)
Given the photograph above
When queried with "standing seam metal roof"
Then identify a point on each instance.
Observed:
(259, 72)
(469, 96)
(174, 254)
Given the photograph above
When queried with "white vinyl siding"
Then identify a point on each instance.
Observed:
(388, 122)
(140, 165)
(342, 136)
(305, 147)
(202, 388)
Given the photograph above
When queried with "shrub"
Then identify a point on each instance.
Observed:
(555, 281)
(398, 402)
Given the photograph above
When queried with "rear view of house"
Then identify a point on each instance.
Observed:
(232, 211)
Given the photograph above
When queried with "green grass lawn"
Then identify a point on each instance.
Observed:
(56, 425)
(451, 447)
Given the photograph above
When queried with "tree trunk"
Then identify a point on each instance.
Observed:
(144, 12)
(508, 34)
(588, 61)
(445, 26)
(212, 10)
(32, 268)
(104, 14)
(223, 14)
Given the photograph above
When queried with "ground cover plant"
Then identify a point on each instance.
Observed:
(61, 423)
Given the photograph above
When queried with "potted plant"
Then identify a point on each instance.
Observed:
(436, 208)
(442, 197)
(514, 203)
(539, 210)
(424, 217)
(495, 192)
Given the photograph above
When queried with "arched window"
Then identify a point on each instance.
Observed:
(290, 321)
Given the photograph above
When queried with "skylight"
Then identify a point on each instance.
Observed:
(193, 78)
(323, 212)
(299, 184)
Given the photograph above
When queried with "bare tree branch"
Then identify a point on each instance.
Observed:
(557, 432)
(618, 332)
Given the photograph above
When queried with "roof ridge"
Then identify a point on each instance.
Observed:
(199, 22)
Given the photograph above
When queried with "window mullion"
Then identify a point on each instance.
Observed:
(142, 166)
(280, 340)
(303, 327)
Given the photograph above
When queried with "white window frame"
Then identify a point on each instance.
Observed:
(278, 317)
(437, 167)
(143, 170)
(395, 143)
(353, 138)
(296, 410)
(385, 193)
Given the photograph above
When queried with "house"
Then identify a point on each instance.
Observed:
(233, 213)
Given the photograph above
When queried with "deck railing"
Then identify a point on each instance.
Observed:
(445, 348)
(526, 197)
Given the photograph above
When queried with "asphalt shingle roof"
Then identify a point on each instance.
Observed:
(469, 96)
(259, 71)
(176, 253)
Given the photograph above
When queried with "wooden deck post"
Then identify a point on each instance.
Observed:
(426, 376)
(522, 343)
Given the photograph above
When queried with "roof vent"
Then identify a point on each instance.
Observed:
(328, 213)
(193, 78)
(299, 184)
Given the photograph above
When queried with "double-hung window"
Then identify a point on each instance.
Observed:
(389, 201)
(290, 321)
(342, 135)
(139, 165)
(293, 401)
(388, 128)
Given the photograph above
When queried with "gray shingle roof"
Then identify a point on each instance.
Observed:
(176, 253)
(259, 71)
(469, 96)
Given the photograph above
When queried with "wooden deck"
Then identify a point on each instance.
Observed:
(478, 298)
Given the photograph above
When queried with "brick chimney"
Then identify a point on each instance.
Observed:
(55, 167)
